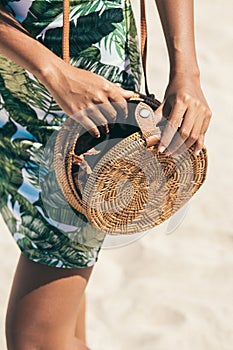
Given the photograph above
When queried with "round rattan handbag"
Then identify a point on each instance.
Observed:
(119, 181)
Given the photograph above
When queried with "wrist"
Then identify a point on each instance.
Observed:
(184, 72)
(49, 73)
(184, 69)
(182, 57)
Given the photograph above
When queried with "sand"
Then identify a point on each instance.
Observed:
(171, 291)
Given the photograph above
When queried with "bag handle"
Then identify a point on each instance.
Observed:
(143, 32)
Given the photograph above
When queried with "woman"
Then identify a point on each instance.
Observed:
(38, 91)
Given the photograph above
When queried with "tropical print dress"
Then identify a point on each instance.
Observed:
(103, 39)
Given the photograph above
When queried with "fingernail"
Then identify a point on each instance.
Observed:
(161, 149)
(198, 152)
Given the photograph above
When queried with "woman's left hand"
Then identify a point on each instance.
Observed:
(186, 109)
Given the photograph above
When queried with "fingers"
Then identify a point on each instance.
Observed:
(164, 110)
(91, 119)
(120, 103)
(100, 113)
(117, 96)
(126, 94)
(108, 112)
(86, 122)
(98, 118)
(188, 132)
(171, 128)
(186, 125)
(200, 142)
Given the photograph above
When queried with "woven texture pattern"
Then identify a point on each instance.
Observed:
(122, 196)
(131, 188)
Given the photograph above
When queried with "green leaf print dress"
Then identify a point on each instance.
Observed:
(102, 40)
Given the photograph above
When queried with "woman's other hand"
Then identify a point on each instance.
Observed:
(186, 109)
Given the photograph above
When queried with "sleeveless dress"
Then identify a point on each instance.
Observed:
(103, 39)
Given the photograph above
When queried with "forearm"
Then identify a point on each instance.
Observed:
(20, 47)
(177, 17)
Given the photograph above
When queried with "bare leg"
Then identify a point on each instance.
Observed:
(43, 307)
(80, 331)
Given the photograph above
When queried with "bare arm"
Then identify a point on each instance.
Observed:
(184, 103)
(20, 47)
(75, 90)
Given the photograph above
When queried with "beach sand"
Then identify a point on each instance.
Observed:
(171, 291)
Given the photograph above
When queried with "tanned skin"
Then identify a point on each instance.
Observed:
(184, 103)
(46, 308)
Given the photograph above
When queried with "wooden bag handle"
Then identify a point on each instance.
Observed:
(143, 32)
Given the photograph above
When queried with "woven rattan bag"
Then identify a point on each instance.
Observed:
(119, 181)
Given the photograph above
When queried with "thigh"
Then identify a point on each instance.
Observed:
(45, 300)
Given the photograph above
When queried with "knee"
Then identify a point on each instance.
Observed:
(18, 338)
(36, 337)
(31, 337)
(34, 330)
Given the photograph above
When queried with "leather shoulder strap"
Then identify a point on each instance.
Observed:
(143, 28)
(66, 31)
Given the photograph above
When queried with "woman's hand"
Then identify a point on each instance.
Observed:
(82, 95)
(89, 98)
(187, 112)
